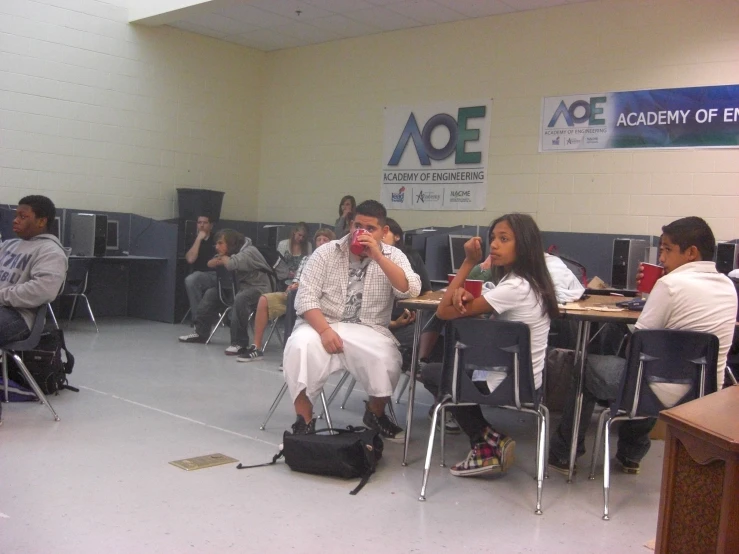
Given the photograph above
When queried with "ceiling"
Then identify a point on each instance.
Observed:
(275, 24)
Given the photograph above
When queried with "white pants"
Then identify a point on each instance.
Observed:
(371, 357)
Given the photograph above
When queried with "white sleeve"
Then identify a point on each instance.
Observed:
(657, 309)
(509, 294)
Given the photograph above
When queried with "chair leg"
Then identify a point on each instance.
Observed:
(89, 310)
(274, 405)
(541, 461)
(546, 442)
(336, 390)
(5, 374)
(731, 375)
(74, 307)
(34, 386)
(53, 316)
(429, 453)
(596, 445)
(325, 410)
(272, 326)
(220, 320)
(406, 379)
(349, 390)
(184, 317)
(606, 469)
(442, 436)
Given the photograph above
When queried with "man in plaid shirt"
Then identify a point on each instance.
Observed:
(344, 303)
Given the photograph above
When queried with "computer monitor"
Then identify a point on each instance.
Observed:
(456, 250)
(111, 240)
(56, 228)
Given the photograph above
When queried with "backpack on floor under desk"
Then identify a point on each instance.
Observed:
(49, 363)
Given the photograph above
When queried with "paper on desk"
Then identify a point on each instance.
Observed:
(576, 306)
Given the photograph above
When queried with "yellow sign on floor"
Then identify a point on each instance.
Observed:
(201, 462)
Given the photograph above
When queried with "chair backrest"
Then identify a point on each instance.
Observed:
(665, 368)
(290, 315)
(77, 276)
(227, 285)
(33, 339)
(489, 345)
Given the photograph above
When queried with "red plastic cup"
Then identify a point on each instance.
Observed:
(450, 277)
(356, 247)
(650, 274)
(474, 287)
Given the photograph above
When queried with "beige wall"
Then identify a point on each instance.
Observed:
(322, 121)
(100, 114)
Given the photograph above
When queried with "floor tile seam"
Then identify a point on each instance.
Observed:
(178, 416)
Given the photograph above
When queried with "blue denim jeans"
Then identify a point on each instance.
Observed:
(602, 379)
(12, 326)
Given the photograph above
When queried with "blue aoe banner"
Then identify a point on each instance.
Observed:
(661, 118)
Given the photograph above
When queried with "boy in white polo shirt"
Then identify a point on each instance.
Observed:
(691, 296)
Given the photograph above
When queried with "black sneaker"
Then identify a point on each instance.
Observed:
(192, 337)
(382, 424)
(561, 466)
(300, 427)
(250, 354)
(627, 466)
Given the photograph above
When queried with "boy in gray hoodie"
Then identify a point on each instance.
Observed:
(32, 268)
(252, 274)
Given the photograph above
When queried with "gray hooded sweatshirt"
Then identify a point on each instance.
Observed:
(32, 273)
(251, 267)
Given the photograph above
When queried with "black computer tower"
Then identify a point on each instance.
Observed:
(726, 256)
(627, 255)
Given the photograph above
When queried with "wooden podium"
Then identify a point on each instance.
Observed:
(699, 499)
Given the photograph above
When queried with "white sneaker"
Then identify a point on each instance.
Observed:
(192, 337)
(233, 350)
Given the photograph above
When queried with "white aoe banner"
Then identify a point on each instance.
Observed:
(435, 156)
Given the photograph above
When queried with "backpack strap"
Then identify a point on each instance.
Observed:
(369, 456)
(273, 462)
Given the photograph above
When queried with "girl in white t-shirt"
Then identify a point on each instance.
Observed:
(524, 292)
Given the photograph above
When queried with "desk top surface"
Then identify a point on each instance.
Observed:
(118, 258)
(427, 301)
(712, 416)
(599, 308)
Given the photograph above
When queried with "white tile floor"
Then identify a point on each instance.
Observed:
(99, 480)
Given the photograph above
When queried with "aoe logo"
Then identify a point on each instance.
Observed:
(580, 111)
(459, 136)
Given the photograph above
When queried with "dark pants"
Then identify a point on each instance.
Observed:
(210, 305)
(602, 378)
(469, 418)
(12, 326)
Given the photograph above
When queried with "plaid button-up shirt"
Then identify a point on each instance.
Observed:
(324, 280)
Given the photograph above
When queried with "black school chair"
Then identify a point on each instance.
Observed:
(29, 343)
(664, 368)
(485, 344)
(226, 294)
(77, 285)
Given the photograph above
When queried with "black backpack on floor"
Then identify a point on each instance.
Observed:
(49, 363)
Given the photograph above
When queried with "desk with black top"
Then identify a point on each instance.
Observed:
(426, 302)
(132, 286)
(596, 309)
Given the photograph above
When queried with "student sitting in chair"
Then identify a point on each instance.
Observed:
(344, 302)
(524, 293)
(273, 305)
(691, 296)
(202, 277)
(234, 252)
(295, 249)
(32, 268)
